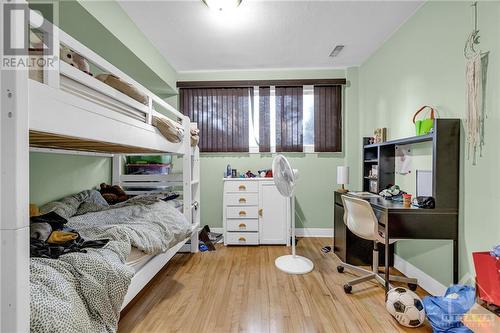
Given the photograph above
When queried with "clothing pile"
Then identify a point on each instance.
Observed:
(393, 193)
(51, 238)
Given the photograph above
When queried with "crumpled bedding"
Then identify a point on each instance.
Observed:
(171, 130)
(83, 292)
(123, 87)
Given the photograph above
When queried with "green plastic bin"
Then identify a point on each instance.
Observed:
(156, 159)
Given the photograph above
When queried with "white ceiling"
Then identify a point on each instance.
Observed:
(268, 34)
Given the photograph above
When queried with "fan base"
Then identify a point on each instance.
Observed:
(294, 264)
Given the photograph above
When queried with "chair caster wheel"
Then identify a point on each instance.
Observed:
(347, 288)
(412, 286)
(340, 269)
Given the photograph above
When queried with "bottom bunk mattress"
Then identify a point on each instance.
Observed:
(137, 259)
(84, 292)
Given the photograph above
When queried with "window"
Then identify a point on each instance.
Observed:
(308, 118)
(266, 118)
(222, 115)
(327, 119)
(254, 121)
(289, 112)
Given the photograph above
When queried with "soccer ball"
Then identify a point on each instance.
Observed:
(405, 306)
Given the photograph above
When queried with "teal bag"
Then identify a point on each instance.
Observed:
(424, 126)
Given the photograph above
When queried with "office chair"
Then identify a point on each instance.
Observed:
(361, 221)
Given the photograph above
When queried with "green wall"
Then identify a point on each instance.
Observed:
(314, 195)
(423, 63)
(53, 176)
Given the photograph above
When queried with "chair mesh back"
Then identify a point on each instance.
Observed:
(359, 218)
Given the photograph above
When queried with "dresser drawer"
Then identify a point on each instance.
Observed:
(243, 212)
(242, 225)
(242, 199)
(241, 186)
(242, 238)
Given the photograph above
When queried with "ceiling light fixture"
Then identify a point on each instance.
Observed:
(222, 5)
(336, 50)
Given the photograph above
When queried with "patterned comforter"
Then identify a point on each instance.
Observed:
(83, 292)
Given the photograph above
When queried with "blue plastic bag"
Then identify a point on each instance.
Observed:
(202, 247)
(445, 312)
(495, 252)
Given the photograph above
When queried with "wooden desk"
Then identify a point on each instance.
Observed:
(404, 223)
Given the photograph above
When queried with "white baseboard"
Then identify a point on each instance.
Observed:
(425, 281)
(314, 232)
(300, 232)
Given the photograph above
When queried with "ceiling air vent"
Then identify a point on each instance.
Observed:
(336, 50)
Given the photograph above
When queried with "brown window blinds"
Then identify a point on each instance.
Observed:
(264, 119)
(222, 117)
(289, 132)
(327, 118)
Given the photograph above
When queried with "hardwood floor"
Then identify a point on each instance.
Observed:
(238, 289)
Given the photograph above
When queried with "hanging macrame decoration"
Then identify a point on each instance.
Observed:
(475, 66)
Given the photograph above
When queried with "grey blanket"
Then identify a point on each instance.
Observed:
(83, 292)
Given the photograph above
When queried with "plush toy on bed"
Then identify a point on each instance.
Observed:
(113, 194)
(74, 59)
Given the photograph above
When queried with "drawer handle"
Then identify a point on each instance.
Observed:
(242, 239)
(242, 225)
(242, 187)
(242, 200)
(243, 213)
(260, 212)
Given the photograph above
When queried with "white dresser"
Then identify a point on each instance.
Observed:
(254, 212)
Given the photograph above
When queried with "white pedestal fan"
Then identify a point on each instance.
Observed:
(285, 178)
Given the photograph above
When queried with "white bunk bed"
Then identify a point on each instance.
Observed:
(72, 112)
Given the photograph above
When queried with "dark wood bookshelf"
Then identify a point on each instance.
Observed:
(445, 140)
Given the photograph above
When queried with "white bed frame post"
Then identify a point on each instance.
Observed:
(117, 169)
(195, 186)
(14, 194)
(187, 180)
(149, 115)
(51, 77)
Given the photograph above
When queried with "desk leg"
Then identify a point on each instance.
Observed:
(386, 254)
(455, 261)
